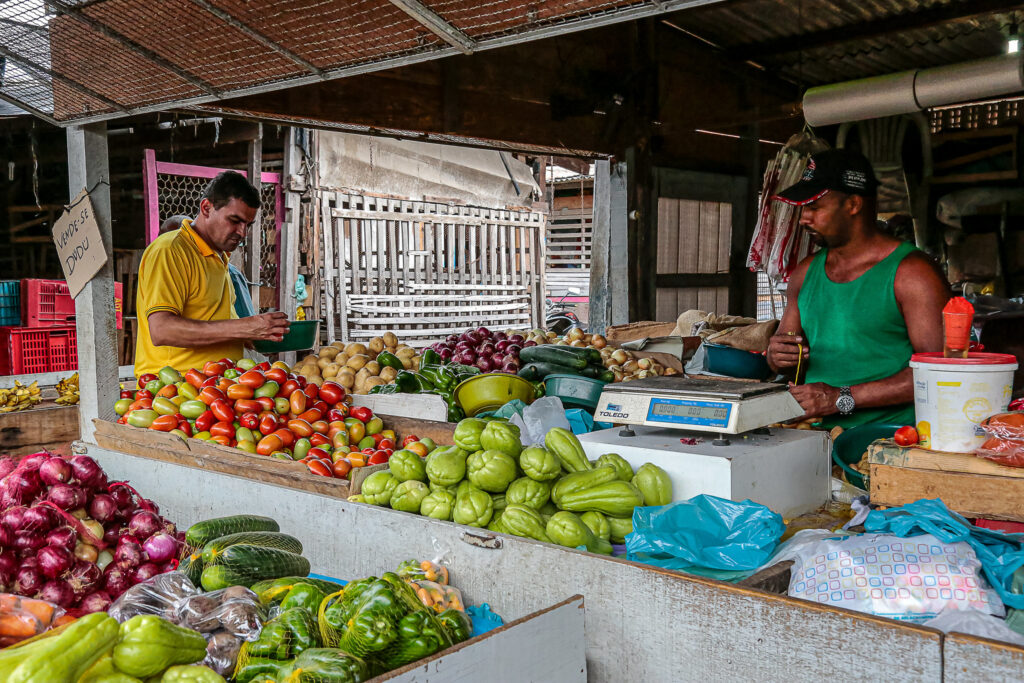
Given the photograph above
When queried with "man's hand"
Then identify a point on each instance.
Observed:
(817, 399)
(268, 326)
(784, 351)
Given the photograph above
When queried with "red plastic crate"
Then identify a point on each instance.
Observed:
(48, 303)
(27, 350)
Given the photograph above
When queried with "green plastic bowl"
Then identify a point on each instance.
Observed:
(849, 447)
(575, 391)
(301, 335)
(725, 360)
(491, 391)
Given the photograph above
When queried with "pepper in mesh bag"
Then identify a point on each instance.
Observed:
(457, 623)
(285, 636)
(419, 635)
(325, 665)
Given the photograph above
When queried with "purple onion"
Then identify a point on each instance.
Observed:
(58, 592)
(122, 495)
(446, 354)
(144, 524)
(38, 518)
(86, 470)
(514, 349)
(54, 561)
(85, 577)
(145, 572)
(8, 565)
(112, 534)
(62, 537)
(160, 547)
(13, 517)
(129, 552)
(510, 367)
(67, 497)
(95, 602)
(56, 470)
(527, 344)
(6, 536)
(28, 580)
(28, 540)
(517, 339)
(485, 364)
(117, 579)
(499, 336)
(7, 465)
(483, 332)
(103, 508)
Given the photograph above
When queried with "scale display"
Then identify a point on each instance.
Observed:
(684, 412)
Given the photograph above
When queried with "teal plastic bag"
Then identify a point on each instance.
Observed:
(1000, 554)
(705, 535)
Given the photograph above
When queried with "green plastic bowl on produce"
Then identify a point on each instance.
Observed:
(491, 391)
(302, 334)
(575, 391)
(848, 448)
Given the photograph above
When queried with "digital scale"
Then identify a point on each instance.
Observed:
(711, 437)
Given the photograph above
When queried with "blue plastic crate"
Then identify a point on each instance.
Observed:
(10, 303)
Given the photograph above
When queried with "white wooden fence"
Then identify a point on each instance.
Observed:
(569, 237)
(424, 270)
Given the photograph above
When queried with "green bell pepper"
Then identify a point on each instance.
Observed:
(303, 595)
(430, 358)
(457, 623)
(259, 669)
(325, 665)
(384, 389)
(191, 674)
(412, 383)
(148, 645)
(419, 635)
(439, 377)
(387, 359)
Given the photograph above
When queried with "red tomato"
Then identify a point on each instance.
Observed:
(362, 413)
(252, 379)
(318, 453)
(343, 407)
(227, 362)
(268, 444)
(195, 378)
(319, 440)
(214, 369)
(386, 445)
(221, 439)
(266, 403)
(318, 467)
(378, 458)
(210, 394)
(211, 381)
(311, 391)
(332, 392)
(164, 423)
(301, 380)
(205, 421)
(146, 379)
(226, 429)
(268, 424)
(249, 420)
(140, 403)
(369, 451)
(184, 426)
(287, 437)
(287, 388)
(409, 439)
(319, 405)
(377, 439)
(222, 410)
(262, 367)
(335, 415)
(123, 420)
(144, 393)
(223, 383)
(297, 402)
(319, 426)
(906, 436)
(311, 415)
(277, 375)
(341, 467)
(300, 427)
(247, 406)
(127, 394)
(239, 391)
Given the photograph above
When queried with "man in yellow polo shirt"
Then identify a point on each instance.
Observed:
(185, 299)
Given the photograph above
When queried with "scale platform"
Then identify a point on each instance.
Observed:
(719, 406)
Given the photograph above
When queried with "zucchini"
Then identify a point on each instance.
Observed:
(201, 533)
(266, 539)
(549, 353)
(192, 567)
(542, 370)
(248, 564)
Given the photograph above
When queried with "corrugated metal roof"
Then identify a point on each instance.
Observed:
(784, 27)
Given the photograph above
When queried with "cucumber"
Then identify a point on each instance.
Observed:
(218, 576)
(266, 539)
(201, 533)
(192, 567)
(549, 353)
(594, 357)
(248, 564)
(542, 370)
(598, 372)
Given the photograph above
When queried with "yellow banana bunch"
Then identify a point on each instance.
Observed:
(19, 397)
(67, 389)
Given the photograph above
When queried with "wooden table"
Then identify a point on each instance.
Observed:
(47, 426)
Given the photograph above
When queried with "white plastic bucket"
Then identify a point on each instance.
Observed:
(953, 395)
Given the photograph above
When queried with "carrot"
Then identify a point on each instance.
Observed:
(40, 609)
(20, 625)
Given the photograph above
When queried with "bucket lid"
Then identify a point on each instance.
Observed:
(936, 358)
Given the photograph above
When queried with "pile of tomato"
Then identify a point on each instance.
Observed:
(263, 409)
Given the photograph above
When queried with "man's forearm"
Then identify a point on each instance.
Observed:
(169, 329)
(891, 391)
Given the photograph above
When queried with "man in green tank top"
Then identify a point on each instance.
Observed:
(858, 308)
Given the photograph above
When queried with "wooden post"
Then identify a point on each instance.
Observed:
(743, 283)
(609, 284)
(94, 306)
(291, 226)
(254, 245)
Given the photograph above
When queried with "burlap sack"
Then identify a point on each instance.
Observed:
(753, 338)
(702, 324)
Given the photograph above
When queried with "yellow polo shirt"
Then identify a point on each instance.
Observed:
(180, 273)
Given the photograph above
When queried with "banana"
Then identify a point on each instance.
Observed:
(67, 389)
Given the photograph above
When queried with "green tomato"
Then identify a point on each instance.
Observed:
(192, 409)
(164, 406)
(178, 433)
(245, 364)
(187, 390)
(281, 405)
(231, 373)
(168, 375)
(202, 436)
(245, 434)
(302, 447)
(154, 386)
(268, 390)
(121, 406)
(429, 443)
(142, 417)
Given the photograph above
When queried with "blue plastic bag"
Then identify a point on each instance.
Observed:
(705, 533)
(582, 422)
(1000, 554)
(483, 619)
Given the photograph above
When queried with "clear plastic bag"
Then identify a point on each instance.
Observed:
(438, 597)
(1006, 439)
(539, 418)
(159, 595)
(426, 570)
(236, 610)
(222, 650)
(25, 618)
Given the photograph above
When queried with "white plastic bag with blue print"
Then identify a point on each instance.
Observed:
(909, 579)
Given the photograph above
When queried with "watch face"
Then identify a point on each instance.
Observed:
(845, 404)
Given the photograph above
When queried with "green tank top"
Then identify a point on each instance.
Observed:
(856, 333)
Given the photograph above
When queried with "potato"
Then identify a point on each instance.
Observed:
(314, 379)
(346, 379)
(407, 363)
(338, 345)
(405, 352)
(372, 382)
(331, 370)
(390, 339)
(358, 361)
(329, 352)
(388, 374)
(312, 370)
(310, 357)
(361, 377)
(377, 345)
(341, 358)
(356, 349)
(373, 367)
(324, 362)
(416, 362)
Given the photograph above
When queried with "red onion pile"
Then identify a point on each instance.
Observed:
(489, 351)
(69, 537)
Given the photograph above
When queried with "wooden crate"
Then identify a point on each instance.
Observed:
(45, 427)
(969, 485)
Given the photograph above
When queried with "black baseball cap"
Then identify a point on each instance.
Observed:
(841, 170)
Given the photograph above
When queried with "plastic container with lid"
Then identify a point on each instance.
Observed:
(953, 395)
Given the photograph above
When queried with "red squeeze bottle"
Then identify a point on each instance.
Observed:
(957, 318)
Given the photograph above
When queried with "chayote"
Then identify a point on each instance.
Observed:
(438, 505)
(408, 496)
(467, 434)
(501, 436)
(623, 470)
(378, 487)
(473, 507)
(492, 471)
(446, 466)
(407, 466)
(597, 523)
(539, 463)
(654, 484)
(526, 491)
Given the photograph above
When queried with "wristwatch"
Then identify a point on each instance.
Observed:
(845, 402)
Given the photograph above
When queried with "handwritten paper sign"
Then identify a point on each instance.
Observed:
(79, 243)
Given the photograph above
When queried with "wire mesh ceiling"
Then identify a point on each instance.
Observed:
(73, 61)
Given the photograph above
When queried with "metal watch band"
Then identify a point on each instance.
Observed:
(845, 402)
